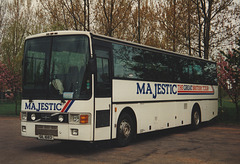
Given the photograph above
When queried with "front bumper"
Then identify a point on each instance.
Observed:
(59, 131)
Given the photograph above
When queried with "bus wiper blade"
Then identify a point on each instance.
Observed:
(63, 101)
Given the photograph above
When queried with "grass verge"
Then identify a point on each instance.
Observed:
(8, 108)
(227, 113)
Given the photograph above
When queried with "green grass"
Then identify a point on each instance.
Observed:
(227, 113)
(8, 108)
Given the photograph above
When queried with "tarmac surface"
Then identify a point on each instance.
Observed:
(212, 143)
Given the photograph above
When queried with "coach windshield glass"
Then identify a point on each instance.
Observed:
(56, 68)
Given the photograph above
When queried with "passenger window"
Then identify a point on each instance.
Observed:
(128, 62)
(103, 83)
(210, 73)
(183, 70)
(197, 72)
(156, 67)
(102, 70)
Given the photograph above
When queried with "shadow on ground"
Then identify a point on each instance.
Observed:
(77, 147)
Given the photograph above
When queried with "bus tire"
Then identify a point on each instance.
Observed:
(196, 118)
(125, 130)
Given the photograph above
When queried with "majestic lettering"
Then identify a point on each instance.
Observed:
(158, 89)
(43, 106)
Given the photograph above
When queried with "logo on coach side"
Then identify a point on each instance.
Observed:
(158, 89)
(173, 89)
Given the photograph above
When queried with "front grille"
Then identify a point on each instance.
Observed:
(47, 117)
(46, 130)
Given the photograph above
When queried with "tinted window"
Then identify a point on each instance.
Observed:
(182, 68)
(56, 68)
(210, 73)
(156, 67)
(128, 62)
(197, 72)
(36, 57)
(68, 65)
(136, 63)
(103, 83)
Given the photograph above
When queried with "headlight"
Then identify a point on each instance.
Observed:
(74, 118)
(60, 118)
(33, 117)
(24, 116)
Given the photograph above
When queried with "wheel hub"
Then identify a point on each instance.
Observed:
(196, 118)
(125, 128)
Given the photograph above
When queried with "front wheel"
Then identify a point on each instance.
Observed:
(125, 130)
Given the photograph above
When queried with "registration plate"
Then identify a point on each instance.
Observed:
(45, 137)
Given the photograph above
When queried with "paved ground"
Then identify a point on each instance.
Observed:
(214, 144)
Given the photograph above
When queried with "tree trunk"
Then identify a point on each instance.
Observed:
(237, 112)
(189, 29)
(16, 104)
(85, 15)
(74, 18)
(220, 97)
(206, 38)
(88, 17)
(139, 27)
(174, 25)
(199, 31)
(207, 29)
(110, 29)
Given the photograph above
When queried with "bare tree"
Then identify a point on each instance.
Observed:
(197, 27)
(139, 21)
(68, 14)
(210, 18)
(2, 16)
(111, 14)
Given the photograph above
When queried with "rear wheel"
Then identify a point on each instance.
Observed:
(196, 118)
(125, 130)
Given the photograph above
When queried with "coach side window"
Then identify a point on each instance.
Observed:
(183, 69)
(210, 73)
(198, 72)
(128, 62)
(156, 66)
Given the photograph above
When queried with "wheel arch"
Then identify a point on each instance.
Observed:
(132, 114)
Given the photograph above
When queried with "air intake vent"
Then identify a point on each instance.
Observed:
(185, 105)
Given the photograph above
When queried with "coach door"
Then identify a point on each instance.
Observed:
(103, 91)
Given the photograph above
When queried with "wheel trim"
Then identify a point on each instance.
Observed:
(196, 118)
(125, 129)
